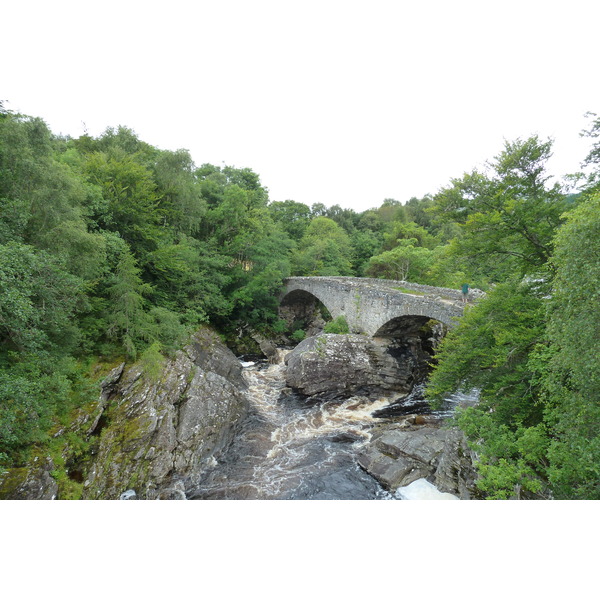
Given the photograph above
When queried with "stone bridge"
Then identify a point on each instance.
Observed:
(376, 307)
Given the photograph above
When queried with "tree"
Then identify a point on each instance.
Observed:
(591, 179)
(128, 320)
(38, 301)
(509, 219)
(179, 192)
(3, 110)
(508, 216)
(256, 289)
(572, 375)
(492, 350)
(365, 244)
(293, 216)
(325, 249)
(131, 200)
(37, 192)
(344, 217)
(392, 210)
(417, 211)
(399, 231)
(406, 262)
(318, 209)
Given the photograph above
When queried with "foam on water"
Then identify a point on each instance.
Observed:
(421, 489)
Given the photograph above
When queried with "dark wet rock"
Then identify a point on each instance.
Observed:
(267, 347)
(107, 387)
(345, 438)
(399, 409)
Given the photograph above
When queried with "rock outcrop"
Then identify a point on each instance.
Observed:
(400, 454)
(32, 482)
(156, 435)
(339, 366)
(148, 435)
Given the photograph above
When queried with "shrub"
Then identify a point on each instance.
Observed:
(298, 335)
(338, 325)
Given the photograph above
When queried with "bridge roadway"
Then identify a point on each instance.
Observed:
(376, 307)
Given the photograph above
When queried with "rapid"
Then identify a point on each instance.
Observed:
(293, 448)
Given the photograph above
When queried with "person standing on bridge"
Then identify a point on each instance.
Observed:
(465, 293)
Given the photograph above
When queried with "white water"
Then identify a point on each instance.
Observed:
(421, 489)
(300, 433)
(291, 448)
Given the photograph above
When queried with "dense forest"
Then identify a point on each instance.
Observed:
(112, 248)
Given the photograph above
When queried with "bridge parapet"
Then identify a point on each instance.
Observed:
(421, 289)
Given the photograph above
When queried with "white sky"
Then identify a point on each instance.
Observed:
(336, 102)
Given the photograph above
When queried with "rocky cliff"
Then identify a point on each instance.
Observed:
(152, 434)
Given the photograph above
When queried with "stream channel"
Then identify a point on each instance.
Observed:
(290, 447)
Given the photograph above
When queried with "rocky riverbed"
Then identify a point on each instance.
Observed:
(407, 441)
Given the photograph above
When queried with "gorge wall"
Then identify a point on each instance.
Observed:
(152, 435)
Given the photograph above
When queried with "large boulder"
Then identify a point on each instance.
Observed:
(396, 456)
(157, 435)
(339, 366)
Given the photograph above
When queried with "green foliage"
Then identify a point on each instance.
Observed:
(32, 391)
(511, 462)
(572, 377)
(492, 350)
(325, 249)
(508, 216)
(365, 244)
(130, 199)
(406, 262)
(399, 233)
(392, 210)
(591, 164)
(338, 325)
(152, 362)
(489, 350)
(180, 197)
(293, 216)
(298, 335)
(127, 319)
(37, 301)
(531, 346)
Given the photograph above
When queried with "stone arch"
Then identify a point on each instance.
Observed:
(412, 339)
(403, 325)
(303, 306)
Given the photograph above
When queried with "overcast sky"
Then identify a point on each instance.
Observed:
(336, 102)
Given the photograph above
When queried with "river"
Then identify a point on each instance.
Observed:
(292, 448)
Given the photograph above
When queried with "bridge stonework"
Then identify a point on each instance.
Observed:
(371, 305)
